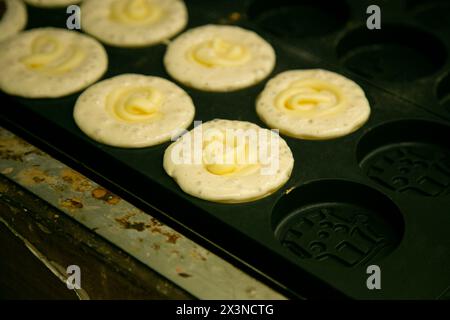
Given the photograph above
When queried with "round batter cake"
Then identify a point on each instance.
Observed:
(133, 111)
(52, 3)
(133, 23)
(219, 58)
(13, 17)
(313, 104)
(50, 63)
(229, 161)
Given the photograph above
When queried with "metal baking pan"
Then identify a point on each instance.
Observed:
(379, 196)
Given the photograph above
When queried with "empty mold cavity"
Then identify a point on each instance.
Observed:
(443, 92)
(408, 156)
(299, 18)
(337, 222)
(393, 53)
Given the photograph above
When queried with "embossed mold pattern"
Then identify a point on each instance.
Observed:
(417, 169)
(343, 228)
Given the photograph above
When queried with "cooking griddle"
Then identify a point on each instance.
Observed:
(379, 196)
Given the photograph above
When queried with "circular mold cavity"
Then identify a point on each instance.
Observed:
(299, 18)
(408, 156)
(443, 92)
(339, 222)
(432, 13)
(394, 53)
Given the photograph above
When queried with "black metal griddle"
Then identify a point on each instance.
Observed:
(379, 196)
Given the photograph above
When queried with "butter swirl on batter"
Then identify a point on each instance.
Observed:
(227, 154)
(219, 58)
(310, 98)
(133, 111)
(229, 161)
(134, 104)
(313, 104)
(135, 12)
(219, 53)
(133, 23)
(50, 63)
(51, 56)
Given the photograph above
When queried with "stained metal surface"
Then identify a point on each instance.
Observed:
(193, 268)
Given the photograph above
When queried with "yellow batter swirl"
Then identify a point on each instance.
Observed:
(219, 53)
(135, 12)
(226, 154)
(310, 99)
(134, 104)
(50, 56)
